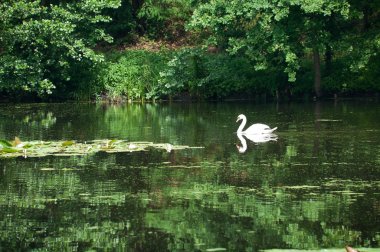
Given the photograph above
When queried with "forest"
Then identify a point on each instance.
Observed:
(150, 50)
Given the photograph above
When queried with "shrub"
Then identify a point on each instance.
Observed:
(206, 75)
(133, 74)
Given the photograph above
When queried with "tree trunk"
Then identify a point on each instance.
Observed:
(328, 60)
(317, 73)
(366, 17)
(136, 5)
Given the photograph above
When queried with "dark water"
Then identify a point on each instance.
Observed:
(317, 186)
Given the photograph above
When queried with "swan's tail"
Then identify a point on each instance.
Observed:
(273, 129)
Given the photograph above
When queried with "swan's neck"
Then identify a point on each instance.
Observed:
(240, 129)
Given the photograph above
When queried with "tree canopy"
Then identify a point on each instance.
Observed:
(56, 46)
(281, 33)
(43, 43)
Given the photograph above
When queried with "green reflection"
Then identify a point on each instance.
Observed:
(316, 187)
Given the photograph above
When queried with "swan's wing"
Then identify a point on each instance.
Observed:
(259, 128)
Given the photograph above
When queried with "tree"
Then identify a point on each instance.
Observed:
(272, 33)
(362, 33)
(44, 44)
(164, 19)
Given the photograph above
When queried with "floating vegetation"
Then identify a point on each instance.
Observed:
(328, 120)
(4, 144)
(48, 169)
(216, 249)
(72, 148)
(319, 250)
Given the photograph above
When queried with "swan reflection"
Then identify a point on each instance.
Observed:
(255, 138)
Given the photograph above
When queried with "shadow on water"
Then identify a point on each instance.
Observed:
(317, 186)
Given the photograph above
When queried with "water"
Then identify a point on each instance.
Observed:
(317, 186)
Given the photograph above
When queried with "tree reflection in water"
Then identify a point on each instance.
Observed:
(289, 193)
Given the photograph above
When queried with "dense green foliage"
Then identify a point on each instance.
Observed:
(213, 75)
(43, 45)
(54, 48)
(134, 75)
(165, 19)
(183, 74)
(282, 33)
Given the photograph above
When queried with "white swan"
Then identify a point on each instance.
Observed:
(257, 128)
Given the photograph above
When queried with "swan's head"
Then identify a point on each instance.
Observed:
(240, 117)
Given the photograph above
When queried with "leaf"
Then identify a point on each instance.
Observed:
(5, 143)
(8, 150)
(27, 146)
(68, 143)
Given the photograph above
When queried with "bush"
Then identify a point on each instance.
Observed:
(198, 74)
(165, 19)
(133, 74)
(220, 75)
(141, 74)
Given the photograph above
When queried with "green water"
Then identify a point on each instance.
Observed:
(317, 186)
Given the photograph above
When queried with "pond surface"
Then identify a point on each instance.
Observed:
(317, 186)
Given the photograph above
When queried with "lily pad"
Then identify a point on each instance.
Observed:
(73, 148)
(67, 143)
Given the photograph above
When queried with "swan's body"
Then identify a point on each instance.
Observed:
(257, 128)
